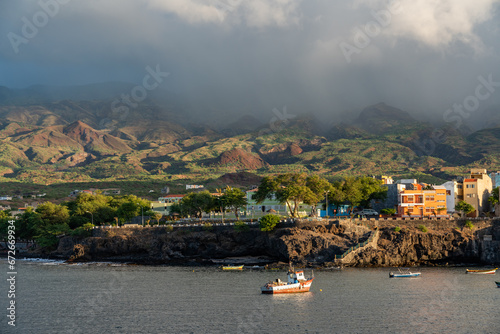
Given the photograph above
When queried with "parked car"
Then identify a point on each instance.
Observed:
(367, 212)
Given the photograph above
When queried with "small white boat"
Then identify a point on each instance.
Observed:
(404, 273)
(257, 267)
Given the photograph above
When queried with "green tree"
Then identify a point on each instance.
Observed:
(219, 202)
(83, 231)
(336, 195)
(53, 214)
(234, 198)
(371, 189)
(156, 216)
(4, 229)
(352, 192)
(358, 191)
(493, 199)
(102, 208)
(289, 189)
(319, 189)
(44, 225)
(464, 208)
(179, 209)
(129, 210)
(4, 214)
(27, 224)
(268, 222)
(48, 235)
(78, 221)
(197, 203)
(130, 206)
(267, 188)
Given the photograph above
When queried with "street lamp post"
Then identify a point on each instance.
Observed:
(91, 215)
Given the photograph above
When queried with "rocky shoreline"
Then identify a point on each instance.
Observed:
(313, 244)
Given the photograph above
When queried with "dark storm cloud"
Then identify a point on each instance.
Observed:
(238, 57)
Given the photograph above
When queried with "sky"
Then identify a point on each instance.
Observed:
(328, 57)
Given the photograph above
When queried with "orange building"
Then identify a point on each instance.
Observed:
(418, 202)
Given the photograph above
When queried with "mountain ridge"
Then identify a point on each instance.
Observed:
(68, 136)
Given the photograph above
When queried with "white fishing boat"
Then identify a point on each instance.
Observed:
(297, 282)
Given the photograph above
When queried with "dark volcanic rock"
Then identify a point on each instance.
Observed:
(307, 243)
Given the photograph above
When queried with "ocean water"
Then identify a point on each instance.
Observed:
(53, 297)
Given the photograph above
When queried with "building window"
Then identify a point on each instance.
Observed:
(448, 192)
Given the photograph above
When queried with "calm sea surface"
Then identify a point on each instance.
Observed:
(106, 298)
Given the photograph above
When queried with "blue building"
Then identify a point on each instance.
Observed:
(335, 211)
(495, 179)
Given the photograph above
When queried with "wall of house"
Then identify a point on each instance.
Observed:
(425, 202)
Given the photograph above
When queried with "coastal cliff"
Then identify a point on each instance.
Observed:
(309, 243)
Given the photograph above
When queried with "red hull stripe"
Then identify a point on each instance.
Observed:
(270, 292)
(305, 288)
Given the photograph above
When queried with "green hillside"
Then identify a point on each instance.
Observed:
(41, 144)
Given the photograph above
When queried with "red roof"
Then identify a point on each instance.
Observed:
(174, 196)
(470, 180)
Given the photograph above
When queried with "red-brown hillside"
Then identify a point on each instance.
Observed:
(242, 159)
(95, 140)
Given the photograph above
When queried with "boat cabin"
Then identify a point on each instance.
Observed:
(296, 276)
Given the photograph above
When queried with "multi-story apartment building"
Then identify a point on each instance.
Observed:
(417, 202)
(454, 194)
(393, 190)
(476, 191)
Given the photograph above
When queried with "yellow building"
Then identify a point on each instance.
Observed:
(417, 202)
(476, 190)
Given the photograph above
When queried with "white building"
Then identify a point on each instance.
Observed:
(453, 188)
